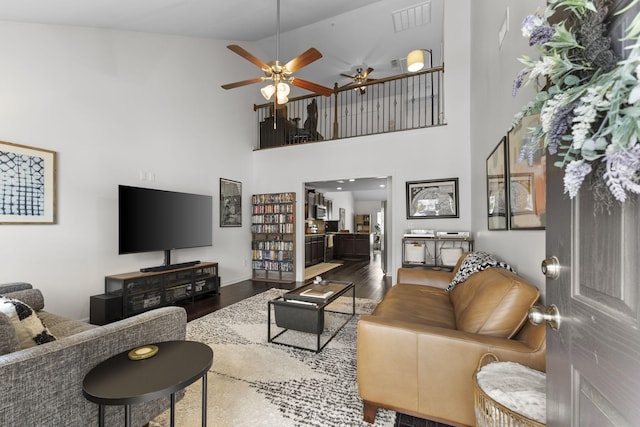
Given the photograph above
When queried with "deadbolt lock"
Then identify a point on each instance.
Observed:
(551, 268)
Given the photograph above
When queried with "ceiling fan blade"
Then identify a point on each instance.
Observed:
(243, 83)
(366, 73)
(249, 57)
(310, 86)
(303, 59)
(347, 75)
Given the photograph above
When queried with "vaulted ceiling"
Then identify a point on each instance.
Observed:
(349, 34)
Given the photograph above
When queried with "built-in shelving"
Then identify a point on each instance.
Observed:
(273, 228)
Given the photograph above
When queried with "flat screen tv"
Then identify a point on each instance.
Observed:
(157, 220)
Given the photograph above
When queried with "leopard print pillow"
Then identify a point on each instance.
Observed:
(474, 263)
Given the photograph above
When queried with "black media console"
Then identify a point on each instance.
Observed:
(129, 294)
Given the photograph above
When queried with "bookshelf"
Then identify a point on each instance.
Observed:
(363, 223)
(273, 229)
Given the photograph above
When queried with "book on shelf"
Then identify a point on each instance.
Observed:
(316, 293)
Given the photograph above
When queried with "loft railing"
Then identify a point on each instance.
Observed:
(392, 104)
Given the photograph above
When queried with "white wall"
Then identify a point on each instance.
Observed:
(440, 152)
(344, 200)
(112, 104)
(493, 108)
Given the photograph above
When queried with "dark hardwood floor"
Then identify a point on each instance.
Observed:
(367, 276)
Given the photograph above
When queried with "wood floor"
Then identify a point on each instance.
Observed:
(367, 276)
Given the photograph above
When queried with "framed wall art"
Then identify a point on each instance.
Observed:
(230, 203)
(27, 185)
(437, 198)
(527, 178)
(497, 201)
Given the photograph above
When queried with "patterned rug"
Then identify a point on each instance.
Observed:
(256, 383)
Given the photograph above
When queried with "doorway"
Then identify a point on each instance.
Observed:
(356, 212)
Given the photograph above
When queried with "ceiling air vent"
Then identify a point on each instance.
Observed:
(411, 17)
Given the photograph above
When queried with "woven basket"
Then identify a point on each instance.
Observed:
(490, 413)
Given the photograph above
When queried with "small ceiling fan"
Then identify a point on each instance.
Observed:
(360, 78)
(280, 74)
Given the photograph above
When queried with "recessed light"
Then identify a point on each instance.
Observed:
(382, 185)
(341, 181)
(352, 179)
(339, 188)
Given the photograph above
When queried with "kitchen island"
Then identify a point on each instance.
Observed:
(352, 246)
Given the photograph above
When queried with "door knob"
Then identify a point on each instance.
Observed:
(551, 316)
(551, 267)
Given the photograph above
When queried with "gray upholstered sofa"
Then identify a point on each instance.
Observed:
(42, 385)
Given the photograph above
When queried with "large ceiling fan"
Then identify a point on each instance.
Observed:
(358, 80)
(278, 74)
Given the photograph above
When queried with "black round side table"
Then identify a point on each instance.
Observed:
(122, 381)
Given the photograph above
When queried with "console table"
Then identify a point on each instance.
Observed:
(122, 381)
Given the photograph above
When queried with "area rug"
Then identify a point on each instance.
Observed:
(256, 383)
(323, 267)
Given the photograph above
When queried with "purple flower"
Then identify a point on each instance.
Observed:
(528, 150)
(530, 23)
(517, 83)
(574, 175)
(560, 124)
(541, 35)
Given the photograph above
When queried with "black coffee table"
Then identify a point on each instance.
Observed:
(298, 311)
(122, 381)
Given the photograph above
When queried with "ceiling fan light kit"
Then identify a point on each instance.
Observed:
(279, 74)
(268, 91)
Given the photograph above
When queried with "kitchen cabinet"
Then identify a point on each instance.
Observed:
(352, 245)
(313, 249)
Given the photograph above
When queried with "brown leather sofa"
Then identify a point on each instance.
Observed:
(418, 351)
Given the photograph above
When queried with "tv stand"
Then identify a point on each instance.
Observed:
(138, 292)
(169, 267)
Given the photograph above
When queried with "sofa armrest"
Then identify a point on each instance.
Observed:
(425, 369)
(14, 286)
(436, 278)
(45, 382)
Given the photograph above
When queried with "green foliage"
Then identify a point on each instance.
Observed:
(587, 86)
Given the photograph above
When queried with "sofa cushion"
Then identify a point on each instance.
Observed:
(61, 326)
(8, 338)
(417, 303)
(29, 329)
(492, 302)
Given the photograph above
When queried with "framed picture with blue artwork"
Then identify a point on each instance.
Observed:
(27, 185)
